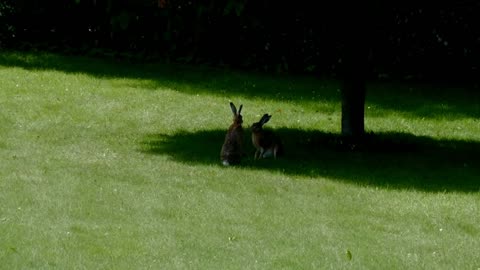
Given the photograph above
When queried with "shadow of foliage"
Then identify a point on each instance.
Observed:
(389, 160)
(418, 100)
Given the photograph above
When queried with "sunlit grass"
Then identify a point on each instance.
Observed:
(113, 166)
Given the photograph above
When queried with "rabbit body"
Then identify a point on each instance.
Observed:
(232, 148)
(266, 142)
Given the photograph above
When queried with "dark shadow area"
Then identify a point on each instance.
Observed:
(419, 100)
(181, 77)
(426, 99)
(389, 160)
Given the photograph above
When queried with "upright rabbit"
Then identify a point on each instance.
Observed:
(266, 142)
(232, 149)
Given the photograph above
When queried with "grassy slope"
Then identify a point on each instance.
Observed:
(111, 166)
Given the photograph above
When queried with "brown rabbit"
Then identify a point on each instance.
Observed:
(266, 142)
(232, 149)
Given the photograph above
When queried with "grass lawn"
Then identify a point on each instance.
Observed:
(106, 165)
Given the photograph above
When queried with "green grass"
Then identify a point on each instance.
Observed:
(116, 166)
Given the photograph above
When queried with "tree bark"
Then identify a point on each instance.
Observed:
(355, 66)
(353, 106)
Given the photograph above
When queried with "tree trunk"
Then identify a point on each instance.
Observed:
(355, 65)
(353, 102)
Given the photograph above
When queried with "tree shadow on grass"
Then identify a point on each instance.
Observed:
(387, 160)
(418, 100)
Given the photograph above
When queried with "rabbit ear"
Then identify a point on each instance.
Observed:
(240, 109)
(234, 109)
(265, 119)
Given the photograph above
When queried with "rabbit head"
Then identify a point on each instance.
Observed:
(237, 117)
(258, 126)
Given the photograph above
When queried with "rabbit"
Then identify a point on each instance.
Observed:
(232, 148)
(266, 142)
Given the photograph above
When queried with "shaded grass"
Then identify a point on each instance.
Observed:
(112, 166)
(383, 160)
